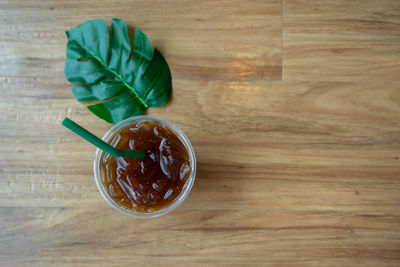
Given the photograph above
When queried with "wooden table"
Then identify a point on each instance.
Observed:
(293, 108)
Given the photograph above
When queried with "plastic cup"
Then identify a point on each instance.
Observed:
(99, 175)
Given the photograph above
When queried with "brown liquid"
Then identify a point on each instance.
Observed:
(152, 183)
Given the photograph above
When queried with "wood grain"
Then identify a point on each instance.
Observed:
(192, 35)
(202, 237)
(341, 40)
(299, 172)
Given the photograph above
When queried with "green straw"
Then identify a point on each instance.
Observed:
(112, 151)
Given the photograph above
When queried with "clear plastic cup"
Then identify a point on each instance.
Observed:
(99, 176)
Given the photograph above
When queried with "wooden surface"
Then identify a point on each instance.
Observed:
(293, 109)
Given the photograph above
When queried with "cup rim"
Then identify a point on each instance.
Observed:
(98, 174)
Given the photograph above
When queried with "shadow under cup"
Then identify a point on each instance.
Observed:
(99, 175)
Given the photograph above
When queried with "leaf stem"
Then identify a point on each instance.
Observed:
(130, 87)
(119, 77)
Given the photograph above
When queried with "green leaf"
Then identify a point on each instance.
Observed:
(126, 81)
